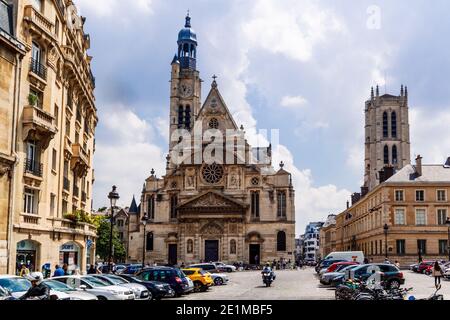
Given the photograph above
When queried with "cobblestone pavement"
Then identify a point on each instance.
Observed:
(298, 285)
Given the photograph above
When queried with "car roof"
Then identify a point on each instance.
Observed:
(159, 268)
(192, 269)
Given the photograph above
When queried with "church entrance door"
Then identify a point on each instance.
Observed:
(172, 254)
(254, 252)
(211, 250)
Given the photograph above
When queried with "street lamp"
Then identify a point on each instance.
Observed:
(144, 222)
(448, 241)
(112, 196)
(385, 228)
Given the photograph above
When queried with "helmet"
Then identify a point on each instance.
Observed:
(35, 276)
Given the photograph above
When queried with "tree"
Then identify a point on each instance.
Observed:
(103, 233)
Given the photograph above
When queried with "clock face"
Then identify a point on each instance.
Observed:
(185, 90)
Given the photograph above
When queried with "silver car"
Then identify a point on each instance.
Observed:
(71, 292)
(219, 278)
(140, 291)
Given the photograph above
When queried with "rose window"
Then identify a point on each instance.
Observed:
(255, 181)
(212, 173)
(214, 123)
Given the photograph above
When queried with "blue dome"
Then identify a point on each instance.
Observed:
(187, 33)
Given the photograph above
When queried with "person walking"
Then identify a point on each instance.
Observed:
(397, 264)
(437, 273)
(92, 269)
(24, 271)
(65, 268)
(59, 272)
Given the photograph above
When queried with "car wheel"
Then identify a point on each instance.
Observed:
(218, 281)
(394, 284)
(197, 286)
(229, 270)
(102, 298)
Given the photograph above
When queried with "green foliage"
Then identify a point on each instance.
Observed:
(103, 234)
(102, 209)
(32, 99)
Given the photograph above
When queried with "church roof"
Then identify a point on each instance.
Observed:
(133, 206)
(187, 33)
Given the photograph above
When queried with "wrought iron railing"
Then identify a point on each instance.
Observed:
(33, 167)
(38, 68)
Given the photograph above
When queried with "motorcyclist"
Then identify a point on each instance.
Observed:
(38, 289)
(268, 269)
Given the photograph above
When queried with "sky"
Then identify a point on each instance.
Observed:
(304, 67)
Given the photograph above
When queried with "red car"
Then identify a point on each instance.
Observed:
(339, 265)
(424, 265)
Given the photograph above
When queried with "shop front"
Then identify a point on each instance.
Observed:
(27, 254)
(69, 253)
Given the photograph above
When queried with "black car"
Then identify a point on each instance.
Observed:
(132, 269)
(158, 289)
(171, 276)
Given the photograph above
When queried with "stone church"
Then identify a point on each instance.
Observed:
(238, 211)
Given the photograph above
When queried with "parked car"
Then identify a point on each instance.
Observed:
(336, 266)
(413, 267)
(120, 267)
(391, 276)
(172, 276)
(356, 256)
(210, 267)
(190, 284)
(327, 278)
(71, 292)
(158, 289)
(140, 291)
(97, 287)
(132, 269)
(18, 286)
(202, 280)
(219, 278)
(222, 267)
(424, 265)
(326, 263)
(5, 295)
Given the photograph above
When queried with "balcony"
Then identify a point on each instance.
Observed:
(76, 191)
(38, 24)
(38, 125)
(38, 69)
(80, 160)
(83, 196)
(29, 219)
(33, 167)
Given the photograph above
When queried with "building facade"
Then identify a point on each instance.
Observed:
(238, 210)
(403, 218)
(312, 241)
(327, 236)
(387, 141)
(48, 108)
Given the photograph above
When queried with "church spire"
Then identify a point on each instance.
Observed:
(188, 20)
(187, 46)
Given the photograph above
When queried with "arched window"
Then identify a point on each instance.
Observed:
(394, 155)
(190, 246)
(149, 242)
(186, 50)
(394, 124)
(151, 207)
(386, 155)
(180, 117)
(173, 206)
(187, 118)
(281, 204)
(232, 246)
(385, 125)
(281, 241)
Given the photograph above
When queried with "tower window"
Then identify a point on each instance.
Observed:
(281, 241)
(394, 124)
(187, 118)
(394, 155)
(385, 125)
(180, 117)
(386, 155)
(149, 242)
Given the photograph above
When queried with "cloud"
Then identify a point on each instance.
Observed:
(108, 8)
(126, 156)
(293, 102)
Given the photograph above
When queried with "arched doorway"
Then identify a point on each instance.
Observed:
(26, 253)
(70, 253)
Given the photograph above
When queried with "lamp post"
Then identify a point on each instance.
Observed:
(144, 222)
(447, 222)
(385, 228)
(112, 196)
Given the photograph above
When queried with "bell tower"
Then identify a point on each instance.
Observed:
(185, 83)
(387, 140)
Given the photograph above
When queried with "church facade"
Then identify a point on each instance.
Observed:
(217, 201)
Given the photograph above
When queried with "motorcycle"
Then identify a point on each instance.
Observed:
(433, 297)
(267, 278)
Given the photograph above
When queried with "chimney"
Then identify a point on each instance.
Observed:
(419, 165)
(348, 204)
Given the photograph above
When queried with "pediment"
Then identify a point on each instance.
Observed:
(211, 199)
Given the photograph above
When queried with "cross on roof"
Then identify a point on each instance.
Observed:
(214, 77)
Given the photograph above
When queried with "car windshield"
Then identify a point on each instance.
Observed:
(15, 284)
(179, 273)
(58, 286)
(116, 280)
(94, 282)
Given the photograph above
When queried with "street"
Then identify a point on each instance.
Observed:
(299, 285)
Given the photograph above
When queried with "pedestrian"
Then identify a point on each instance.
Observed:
(24, 271)
(65, 268)
(59, 272)
(366, 261)
(437, 273)
(92, 269)
(397, 264)
(256, 259)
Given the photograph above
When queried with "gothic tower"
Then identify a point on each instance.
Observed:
(387, 141)
(185, 83)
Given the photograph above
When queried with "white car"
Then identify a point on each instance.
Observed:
(190, 287)
(71, 292)
(18, 286)
(140, 291)
(219, 278)
(224, 267)
(97, 287)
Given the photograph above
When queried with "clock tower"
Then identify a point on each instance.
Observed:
(185, 83)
